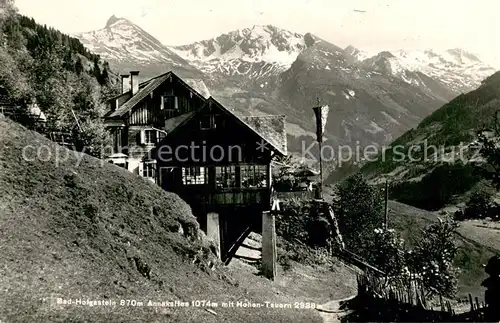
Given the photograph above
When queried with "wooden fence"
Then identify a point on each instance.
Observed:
(396, 299)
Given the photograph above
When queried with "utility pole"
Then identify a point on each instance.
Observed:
(320, 171)
(321, 113)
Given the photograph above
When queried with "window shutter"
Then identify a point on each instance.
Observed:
(141, 169)
(142, 137)
(176, 103)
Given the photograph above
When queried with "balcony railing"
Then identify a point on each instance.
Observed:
(249, 197)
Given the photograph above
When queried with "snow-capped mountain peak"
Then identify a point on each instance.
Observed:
(258, 43)
(458, 69)
(234, 53)
(125, 43)
(261, 52)
(114, 19)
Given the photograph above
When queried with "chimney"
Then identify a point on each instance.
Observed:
(125, 82)
(134, 82)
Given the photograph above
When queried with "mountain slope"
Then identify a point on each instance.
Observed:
(368, 104)
(446, 137)
(127, 46)
(80, 228)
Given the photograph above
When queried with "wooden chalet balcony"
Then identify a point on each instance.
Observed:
(242, 197)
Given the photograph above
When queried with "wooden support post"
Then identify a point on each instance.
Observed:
(269, 254)
(320, 171)
(269, 183)
(213, 231)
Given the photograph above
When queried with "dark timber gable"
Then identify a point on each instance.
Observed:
(212, 136)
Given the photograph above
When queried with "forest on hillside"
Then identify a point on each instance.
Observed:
(40, 64)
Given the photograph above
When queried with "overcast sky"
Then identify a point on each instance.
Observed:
(385, 24)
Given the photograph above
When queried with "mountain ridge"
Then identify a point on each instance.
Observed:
(265, 51)
(269, 70)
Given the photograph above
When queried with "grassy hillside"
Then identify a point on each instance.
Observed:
(82, 229)
(472, 252)
(437, 152)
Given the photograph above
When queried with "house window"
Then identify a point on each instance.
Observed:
(148, 170)
(225, 177)
(253, 176)
(170, 102)
(207, 122)
(194, 175)
(150, 137)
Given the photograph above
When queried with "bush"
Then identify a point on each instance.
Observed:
(291, 223)
(300, 221)
(433, 258)
(319, 232)
(479, 205)
(359, 209)
(386, 251)
(91, 139)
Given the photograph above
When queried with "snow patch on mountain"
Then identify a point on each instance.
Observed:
(375, 128)
(357, 53)
(199, 86)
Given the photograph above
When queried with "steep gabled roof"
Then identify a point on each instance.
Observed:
(145, 88)
(139, 96)
(271, 129)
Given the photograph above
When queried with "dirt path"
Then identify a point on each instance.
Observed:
(298, 283)
(330, 312)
